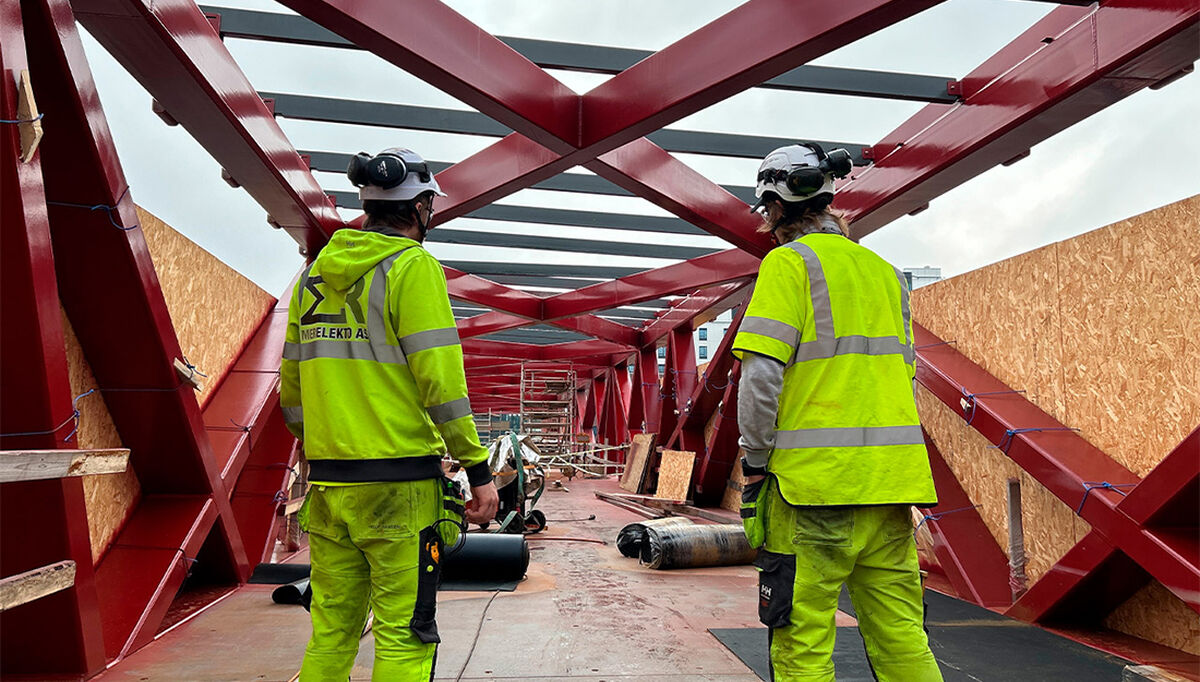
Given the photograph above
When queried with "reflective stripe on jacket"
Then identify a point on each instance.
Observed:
(836, 316)
(372, 371)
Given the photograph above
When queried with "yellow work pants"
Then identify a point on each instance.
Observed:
(374, 544)
(810, 552)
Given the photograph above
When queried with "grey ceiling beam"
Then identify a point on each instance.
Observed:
(335, 162)
(252, 25)
(487, 268)
(357, 112)
(561, 216)
(527, 241)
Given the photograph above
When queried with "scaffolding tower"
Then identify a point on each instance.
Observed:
(548, 408)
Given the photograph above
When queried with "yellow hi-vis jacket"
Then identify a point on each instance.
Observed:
(372, 372)
(836, 315)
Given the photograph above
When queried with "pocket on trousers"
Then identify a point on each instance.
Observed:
(824, 526)
(424, 618)
(386, 510)
(776, 578)
(897, 524)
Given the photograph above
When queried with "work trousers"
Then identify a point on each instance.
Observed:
(374, 544)
(810, 552)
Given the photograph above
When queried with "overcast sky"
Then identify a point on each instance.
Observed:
(1139, 154)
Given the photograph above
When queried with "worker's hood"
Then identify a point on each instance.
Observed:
(351, 253)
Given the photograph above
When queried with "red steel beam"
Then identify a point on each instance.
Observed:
(495, 296)
(751, 44)
(1094, 577)
(605, 330)
(1072, 64)
(685, 310)
(156, 415)
(965, 549)
(440, 46)
(1168, 495)
(173, 51)
(1061, 460)
(41, 522)
(688, 276)
(648, 171)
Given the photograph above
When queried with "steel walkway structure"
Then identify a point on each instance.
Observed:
(209, 489)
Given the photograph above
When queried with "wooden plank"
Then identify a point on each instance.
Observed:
(630, 505)
(36, 465)
(635, 464)
(23, 588)
(675, 475)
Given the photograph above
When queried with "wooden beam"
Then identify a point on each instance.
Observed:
(23, 588)
(37, 465)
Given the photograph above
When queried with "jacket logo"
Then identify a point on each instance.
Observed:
(311, 316)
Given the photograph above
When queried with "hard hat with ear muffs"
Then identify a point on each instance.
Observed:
(394, 174)
(799, 172)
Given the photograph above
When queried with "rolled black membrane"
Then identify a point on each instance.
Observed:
(496, 557)
(632, 538)
(483, 560)
(693, 546)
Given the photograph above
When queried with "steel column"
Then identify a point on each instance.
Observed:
(41, 522)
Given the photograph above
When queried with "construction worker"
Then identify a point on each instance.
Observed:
(373, 384)
(834, 454)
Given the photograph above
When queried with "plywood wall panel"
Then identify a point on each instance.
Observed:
(1130, 301)
(214, 309)
(1102, 331)
(1005, 318)
(108, 498)
(1155, 614)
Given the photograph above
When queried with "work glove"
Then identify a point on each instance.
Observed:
(753, 522)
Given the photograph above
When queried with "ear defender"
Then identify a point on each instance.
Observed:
(385, 171)
(357, 169)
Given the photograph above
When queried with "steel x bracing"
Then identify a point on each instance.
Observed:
(210, 487)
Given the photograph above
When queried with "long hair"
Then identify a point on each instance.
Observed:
(806, 217)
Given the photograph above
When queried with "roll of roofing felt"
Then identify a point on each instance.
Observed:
(696, 545)
(632, 538)
(487, 556)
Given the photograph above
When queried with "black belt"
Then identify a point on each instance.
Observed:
(375, 470)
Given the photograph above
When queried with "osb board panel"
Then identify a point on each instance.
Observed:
(675, 474)
(635, 464)
(1101, 330)
(1159, 616)
(1130, 301)
(1050, 527)
(1005, 318)
(214, 310)
(108, 498)
(732, 499)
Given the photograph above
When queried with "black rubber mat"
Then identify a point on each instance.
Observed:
(284, 574)
(971, 644)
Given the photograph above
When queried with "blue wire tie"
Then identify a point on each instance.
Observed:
(24, 120)
(938, 516)
(1089, 486)
(1007, 441)
(100, 207)
(933, 345)
(74, 417)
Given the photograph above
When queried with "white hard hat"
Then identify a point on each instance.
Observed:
(775, 169)
(394, 174)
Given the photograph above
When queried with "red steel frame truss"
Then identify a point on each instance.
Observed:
(211, 477)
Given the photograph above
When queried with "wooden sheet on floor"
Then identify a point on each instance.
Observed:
(635, 464)
(675, 474)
